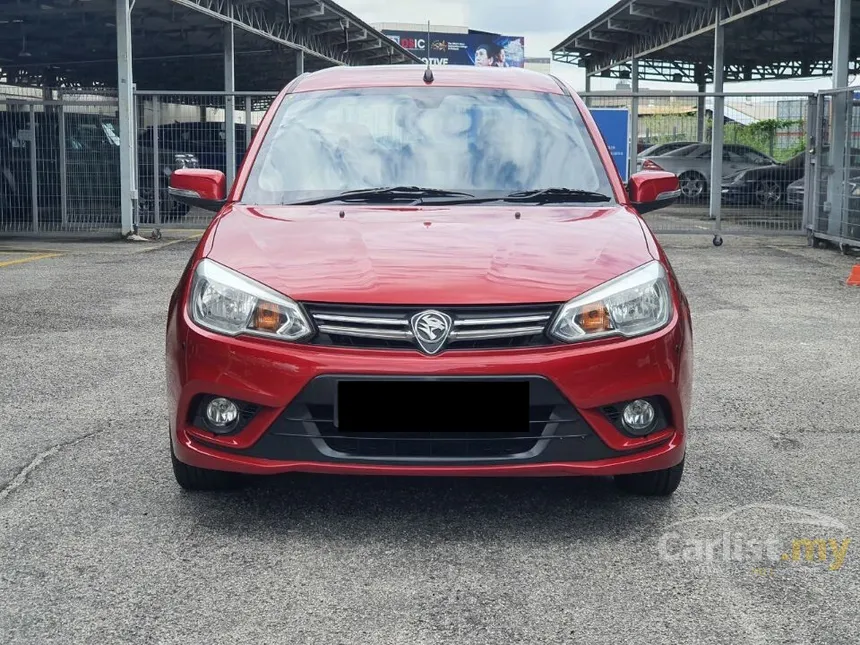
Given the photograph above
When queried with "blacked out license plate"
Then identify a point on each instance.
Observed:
(432, 406)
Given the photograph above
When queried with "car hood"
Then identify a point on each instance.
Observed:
(430, 255)
(755, 171)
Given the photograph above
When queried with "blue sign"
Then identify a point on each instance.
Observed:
(476, 48)
(614, 125)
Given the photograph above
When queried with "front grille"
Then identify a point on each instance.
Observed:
(473, 327)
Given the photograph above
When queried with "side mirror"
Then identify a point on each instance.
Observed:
(206, 189)
(652, 190)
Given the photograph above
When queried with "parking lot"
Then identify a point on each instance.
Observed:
(99, 545)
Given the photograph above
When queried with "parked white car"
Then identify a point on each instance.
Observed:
(692, 165)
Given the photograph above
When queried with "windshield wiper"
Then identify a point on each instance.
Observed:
(540, 196)
(556, 195)
(389, 193)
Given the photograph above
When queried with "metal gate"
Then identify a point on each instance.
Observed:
(833, 197)
(59, 162)
(757, 188)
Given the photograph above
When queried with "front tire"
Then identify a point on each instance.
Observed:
(201, 479)
(657, 483)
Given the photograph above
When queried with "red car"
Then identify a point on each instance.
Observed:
(428, 273)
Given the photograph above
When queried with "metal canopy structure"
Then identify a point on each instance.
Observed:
(673, 40)
(179, 44)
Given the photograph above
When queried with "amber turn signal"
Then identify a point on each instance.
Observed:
(594, 318)
(267, 317)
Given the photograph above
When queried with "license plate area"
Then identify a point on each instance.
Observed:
(403, 407)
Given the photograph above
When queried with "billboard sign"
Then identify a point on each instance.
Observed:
(614, 125)
(474, 48)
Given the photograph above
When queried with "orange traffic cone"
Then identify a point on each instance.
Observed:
(854, 278)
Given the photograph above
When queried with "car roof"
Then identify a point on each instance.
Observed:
(509, 78)
(675, 144)
(682, 152)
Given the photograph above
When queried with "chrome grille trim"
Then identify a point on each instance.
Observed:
(358, 320)
(358, 332)
(472, 327)
(489, 334)
(518, 320)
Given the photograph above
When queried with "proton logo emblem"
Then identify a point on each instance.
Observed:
(431, 329)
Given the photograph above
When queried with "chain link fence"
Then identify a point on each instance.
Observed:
(764, 157)
(60, 171)
(59, 162)
(60, 155)
(190, 130)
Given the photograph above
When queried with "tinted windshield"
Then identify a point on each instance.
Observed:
(480, 141)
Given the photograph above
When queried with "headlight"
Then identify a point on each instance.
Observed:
(227, 302)
(739, 178)
(636, 303)
(854, 189)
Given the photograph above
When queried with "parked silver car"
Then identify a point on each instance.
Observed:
(692, 165)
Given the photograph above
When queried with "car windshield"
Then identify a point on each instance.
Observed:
(477, 141)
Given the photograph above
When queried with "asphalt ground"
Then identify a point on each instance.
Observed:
(99, 545)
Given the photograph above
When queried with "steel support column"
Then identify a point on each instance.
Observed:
(840, 119)
(248, 122)
(300, 63)
(34, 169)
(701, 87)
(634, 118)
(156, 159)
(128, 191)
(230, 101)
(587, 89)
(716, 183)
(64, 166)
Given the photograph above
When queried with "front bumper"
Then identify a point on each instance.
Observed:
(292, 387)
(794, 197)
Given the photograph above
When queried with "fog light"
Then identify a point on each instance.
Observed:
(638, 416)
(221, 413)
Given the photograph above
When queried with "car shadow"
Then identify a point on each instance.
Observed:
(428, 509)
